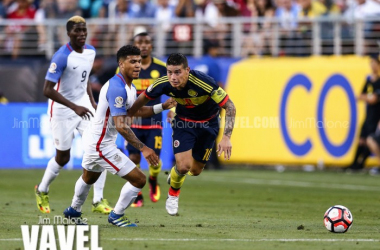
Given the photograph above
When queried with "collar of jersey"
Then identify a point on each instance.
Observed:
(68, 45)
(122, 78)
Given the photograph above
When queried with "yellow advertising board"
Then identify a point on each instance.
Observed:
(297, 110)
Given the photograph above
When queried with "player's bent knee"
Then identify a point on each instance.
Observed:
(62, 157)
(183, 167)
(90, 177)
(63, 160)
(139, 181)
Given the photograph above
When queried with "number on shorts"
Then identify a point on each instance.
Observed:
(207, 154)
(84, 74)
(158, 142)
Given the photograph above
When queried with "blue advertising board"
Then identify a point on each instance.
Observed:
(27, 141)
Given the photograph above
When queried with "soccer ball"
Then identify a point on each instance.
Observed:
(338, 219)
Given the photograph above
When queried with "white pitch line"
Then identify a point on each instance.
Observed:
(246, 240)
(295, 184)
(230, 240)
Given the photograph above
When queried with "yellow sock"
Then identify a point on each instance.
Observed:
(190, 173)
(176, 180)
(138, 165)
(155, 170)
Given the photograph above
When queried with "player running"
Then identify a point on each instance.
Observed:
(100, 150)
(71, 105)
(196, 125)
(148, 130)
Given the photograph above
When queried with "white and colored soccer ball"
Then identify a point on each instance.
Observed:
(338, 219)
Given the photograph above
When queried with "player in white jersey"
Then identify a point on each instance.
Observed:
(100, 150)
(71, 105)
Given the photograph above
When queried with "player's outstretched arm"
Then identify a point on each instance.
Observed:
(51, 93)
(140, 102)
(225, 144)
(148, 111)
(127, 133)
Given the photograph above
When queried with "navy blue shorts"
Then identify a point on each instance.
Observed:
(200, 137)
(152, 138)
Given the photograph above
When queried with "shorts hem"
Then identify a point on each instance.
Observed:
(124, 171)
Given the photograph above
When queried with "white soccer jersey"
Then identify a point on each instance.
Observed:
(70, 70)
(115, 98)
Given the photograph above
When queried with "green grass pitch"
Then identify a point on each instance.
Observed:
(230, 209)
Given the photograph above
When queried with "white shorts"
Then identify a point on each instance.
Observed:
(63, 130)
(115, 161)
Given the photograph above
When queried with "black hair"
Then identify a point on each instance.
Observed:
(177, 59)
(127, 50)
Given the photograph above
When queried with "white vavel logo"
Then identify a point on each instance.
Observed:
(44, 237)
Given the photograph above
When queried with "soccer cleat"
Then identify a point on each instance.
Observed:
(74, 216)
(154, 190)
(120, 220)
(42, 201)
(172, 205)
(139, 201)
(102, 207)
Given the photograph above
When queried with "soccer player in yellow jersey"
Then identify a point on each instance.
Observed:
(196, 125)
(148, 130)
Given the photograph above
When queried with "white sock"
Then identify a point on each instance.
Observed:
(81, 191)
(99, 187)
(127, 195)
(51, 172)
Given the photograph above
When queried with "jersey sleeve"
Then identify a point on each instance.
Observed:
(156, 89)
(117, 98)
(57, 66)
(217, 93)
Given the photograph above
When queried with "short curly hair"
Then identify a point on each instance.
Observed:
(177, 59)
(127, 50)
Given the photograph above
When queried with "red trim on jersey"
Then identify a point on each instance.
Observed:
(150, 98)
(146, 126)
(101, 139)
(189, 106)
(122, 79)
(139, 91)
(104, 158)
(224, 101)
(52, 102)
(197, 121)
(68, 46)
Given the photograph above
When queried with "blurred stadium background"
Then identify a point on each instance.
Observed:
(293, 69)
